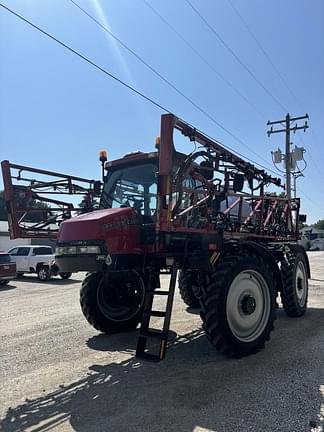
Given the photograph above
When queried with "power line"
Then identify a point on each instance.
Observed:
(264, 51)
(221, 76)
(101, 69)
(275, 68)
(188, 99)
(86, 59)
(242, 156)
(277, 72)
(225, 44)
(316, 203)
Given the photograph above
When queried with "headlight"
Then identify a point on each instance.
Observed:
(89, 249)
(74, 250)
(70, 250)
(59, 250)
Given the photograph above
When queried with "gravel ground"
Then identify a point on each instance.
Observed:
(58, 374)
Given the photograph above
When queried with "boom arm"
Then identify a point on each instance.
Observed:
(218, 203)
(36, 199)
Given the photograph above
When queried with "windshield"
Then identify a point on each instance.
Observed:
(134, 186)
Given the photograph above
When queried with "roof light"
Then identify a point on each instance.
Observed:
(103, 156)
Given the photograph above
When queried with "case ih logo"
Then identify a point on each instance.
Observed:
(119, 224)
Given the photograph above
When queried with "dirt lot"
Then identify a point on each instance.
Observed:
(58, 374)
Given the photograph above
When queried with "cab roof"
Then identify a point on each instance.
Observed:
(131, 158)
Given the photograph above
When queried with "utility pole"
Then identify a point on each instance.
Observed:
(290, 158)
(296, 176)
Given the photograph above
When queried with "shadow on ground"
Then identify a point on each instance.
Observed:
(52, 281)
(275, 390)
(10, 286)
(194, 311)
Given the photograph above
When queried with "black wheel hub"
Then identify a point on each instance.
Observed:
(248, 304)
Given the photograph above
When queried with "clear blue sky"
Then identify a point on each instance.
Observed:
(56, 112)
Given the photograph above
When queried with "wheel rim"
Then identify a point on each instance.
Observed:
(42, 274)
(248, 305)
(121, 299)
(301, 283)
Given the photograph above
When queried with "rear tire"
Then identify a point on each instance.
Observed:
(238, 305)
(43, 273)
(295, 284)
(113, 303)
(65, 275)
(187, 284)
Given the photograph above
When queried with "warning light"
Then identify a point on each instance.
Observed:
(103, 156)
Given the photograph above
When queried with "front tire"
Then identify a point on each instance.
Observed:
(4, 282)
(295, 284)
(238, 305)
(113, 302)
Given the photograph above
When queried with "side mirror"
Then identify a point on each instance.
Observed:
(97, 188)
(207, 170)
(238, 182)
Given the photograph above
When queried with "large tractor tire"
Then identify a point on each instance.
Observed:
(112, 303)
(188, 285)
(294, 294)
(238, 304)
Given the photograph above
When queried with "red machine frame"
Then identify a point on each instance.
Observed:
(271, 218)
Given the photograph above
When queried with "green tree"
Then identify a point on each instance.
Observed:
(319, 224)
(86, 205)
(3, 209)
(31, 217)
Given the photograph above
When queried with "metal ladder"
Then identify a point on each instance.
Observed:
(162, 334)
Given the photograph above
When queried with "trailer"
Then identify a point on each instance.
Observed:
(204, 217)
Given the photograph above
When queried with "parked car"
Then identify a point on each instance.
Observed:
(35, 259)
(7, 268)
(32, 259)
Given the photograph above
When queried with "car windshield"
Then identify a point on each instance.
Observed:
(133, 186)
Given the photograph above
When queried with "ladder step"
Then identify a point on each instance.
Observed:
(160, 314)
(145, 331)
